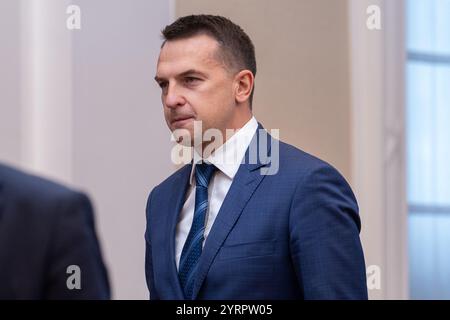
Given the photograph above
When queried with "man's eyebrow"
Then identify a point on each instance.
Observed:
(192, 72)
(184, 74)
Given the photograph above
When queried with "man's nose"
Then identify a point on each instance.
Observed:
(173, 97)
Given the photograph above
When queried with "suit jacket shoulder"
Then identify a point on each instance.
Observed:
(45, 228)
(20, 186)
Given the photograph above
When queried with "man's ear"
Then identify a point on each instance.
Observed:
(243, 85)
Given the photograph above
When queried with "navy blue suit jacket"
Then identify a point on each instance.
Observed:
(291, 235)
(45, 228)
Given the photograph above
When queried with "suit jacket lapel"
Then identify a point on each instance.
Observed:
(244, 184)
(176, 202)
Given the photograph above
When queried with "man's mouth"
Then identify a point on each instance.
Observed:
(181, 121)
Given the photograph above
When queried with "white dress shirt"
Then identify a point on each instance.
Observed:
(227, 159)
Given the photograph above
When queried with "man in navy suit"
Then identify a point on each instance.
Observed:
(250, 217)
(48, 245)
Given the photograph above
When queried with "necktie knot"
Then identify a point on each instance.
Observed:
(203, 173)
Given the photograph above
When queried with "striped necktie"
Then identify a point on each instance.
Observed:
(192, 248)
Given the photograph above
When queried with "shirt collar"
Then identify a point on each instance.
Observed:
(228, 157)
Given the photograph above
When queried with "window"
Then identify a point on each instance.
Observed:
(428, 147)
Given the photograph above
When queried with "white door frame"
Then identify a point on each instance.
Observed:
(377, 62)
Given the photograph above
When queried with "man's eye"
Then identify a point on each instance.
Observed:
(162, 85)
(191, 80)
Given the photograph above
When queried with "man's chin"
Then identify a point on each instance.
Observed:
(189, 134)
(183, 137)
(185, 141)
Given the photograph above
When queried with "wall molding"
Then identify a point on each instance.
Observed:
(377, 62)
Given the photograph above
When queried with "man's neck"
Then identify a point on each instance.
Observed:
(209, 147)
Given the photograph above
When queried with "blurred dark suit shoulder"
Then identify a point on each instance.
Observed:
(45, 228)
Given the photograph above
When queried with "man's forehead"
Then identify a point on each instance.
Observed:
(196, 45)
(198, 52)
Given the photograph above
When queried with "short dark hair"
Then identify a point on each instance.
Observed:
(237, 49)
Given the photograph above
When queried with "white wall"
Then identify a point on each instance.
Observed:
(121, 144)
(378, 117)
(46, 87)
(81, 107)
(9, 81)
